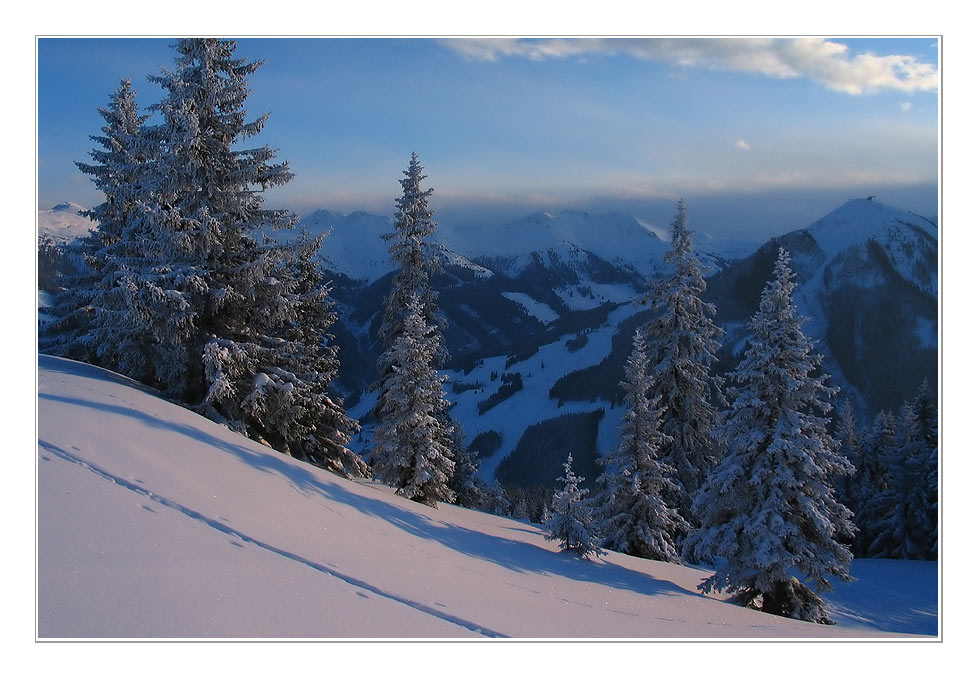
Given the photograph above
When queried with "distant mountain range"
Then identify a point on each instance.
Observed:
(540, 312)
(63, 223)
(354, 246)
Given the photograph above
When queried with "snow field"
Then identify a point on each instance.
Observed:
(155, 522)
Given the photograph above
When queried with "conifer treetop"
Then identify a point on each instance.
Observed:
(682, 346)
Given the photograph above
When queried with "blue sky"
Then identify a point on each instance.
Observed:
(759, 135)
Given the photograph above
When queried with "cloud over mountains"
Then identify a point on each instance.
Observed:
(828, 63)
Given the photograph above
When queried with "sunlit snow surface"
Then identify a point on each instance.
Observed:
(62, 223)
(154, 522)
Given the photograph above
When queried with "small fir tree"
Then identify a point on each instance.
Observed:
(469, 490)
(636, 507)
(683, 341)
(768, 511)
(571, 521)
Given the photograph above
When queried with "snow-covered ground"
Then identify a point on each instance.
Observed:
(153, 522)
(62, 223)
(537, 309)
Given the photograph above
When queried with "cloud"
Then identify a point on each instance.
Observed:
(742, 145)
(823, 61)
(906, 106)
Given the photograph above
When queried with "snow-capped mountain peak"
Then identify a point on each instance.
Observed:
(63, 223)
(863, 219)
(68, 206)
(906, 239)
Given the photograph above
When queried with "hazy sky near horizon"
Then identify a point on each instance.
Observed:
(504, 126)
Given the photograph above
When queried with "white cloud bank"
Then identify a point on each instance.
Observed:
(828, 63)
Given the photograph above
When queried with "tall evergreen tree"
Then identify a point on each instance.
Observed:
(186, 293)
(215, 274)
(768, 511)
(411, 331)
(180, 263)
(636, 506)
(683, 341)
(120, 165)
(414, 257)
(410, 450)
(572, 522)
(90, 311)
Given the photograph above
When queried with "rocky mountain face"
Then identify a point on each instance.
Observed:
(867, 278)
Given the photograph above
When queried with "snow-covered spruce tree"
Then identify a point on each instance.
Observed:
(904, 529)
(571, 521)
(120, 169)
(91, 309)
(412, 302)
(768, 513)
(191, 300)
(276, 389)
(682, 348)
(636, 505)
(213, 273)
(411, 444)
(413, 255)
(878, 453)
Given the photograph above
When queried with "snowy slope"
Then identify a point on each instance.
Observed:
(852, 242)
(62, 223)
(867, 277)
(532, 403)
(154, 522)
